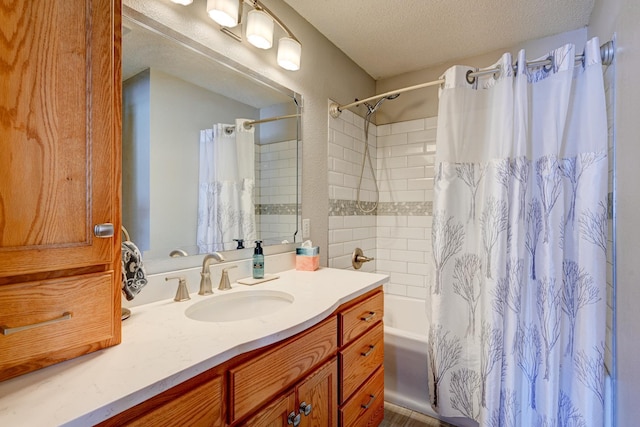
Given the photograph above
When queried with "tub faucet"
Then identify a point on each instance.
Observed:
(205, 274)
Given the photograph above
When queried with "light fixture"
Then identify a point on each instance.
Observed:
(289, 52)
(224, 12)
(183, 2)
(260, 29)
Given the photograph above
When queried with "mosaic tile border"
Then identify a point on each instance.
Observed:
(277, 209)
(338, 207)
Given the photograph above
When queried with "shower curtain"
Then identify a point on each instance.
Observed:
(226, 209)
(519, 244)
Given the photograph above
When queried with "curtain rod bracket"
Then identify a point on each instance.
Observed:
(334, 110)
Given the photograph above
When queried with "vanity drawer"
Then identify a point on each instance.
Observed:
(38, 319)
(366, 406)
(360, 359)
(360, 317)
(255, 382)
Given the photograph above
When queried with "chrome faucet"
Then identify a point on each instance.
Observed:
(205, 274)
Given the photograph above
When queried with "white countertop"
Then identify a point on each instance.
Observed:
(161, 348)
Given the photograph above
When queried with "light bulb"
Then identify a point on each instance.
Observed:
(289, 52)
(224, 12)
(260, 29)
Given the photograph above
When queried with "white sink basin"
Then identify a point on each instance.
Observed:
(239, 306)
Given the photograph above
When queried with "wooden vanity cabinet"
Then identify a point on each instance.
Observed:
(60, 174)
(276, 385)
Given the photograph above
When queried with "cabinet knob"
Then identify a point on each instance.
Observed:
(103, 230)
(294, 419)
(305, 408)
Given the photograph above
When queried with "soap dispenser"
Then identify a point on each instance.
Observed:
(258, 261)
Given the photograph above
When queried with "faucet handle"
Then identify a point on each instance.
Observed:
(225, 284)
(182, 294)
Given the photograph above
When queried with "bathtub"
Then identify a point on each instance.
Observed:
(406, 327)
(406, 331)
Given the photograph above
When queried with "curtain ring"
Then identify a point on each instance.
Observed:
(470, 79)
(229, 130)
(497, 74)
(549, 66)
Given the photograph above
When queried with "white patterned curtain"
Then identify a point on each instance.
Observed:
(519, 242)
(226, 209)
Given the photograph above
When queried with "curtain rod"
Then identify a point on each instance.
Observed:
(249, 123)
(607, 52)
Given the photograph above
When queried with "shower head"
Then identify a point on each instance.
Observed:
(372, 108)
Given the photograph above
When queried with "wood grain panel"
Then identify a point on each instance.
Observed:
(357, 319)
(256, 381)
(89, 300)
(360, 359)
(366, 406)
(195, 402)
(275, 414)
(320, 390)
(57, 114)
(198, 407)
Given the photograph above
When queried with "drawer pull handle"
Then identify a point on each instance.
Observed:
(305, 408)
(368, 352)
(370, 317)
(6, 330)
(294, 419)
(372, 398)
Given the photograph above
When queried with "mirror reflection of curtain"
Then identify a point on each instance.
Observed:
(226, 209)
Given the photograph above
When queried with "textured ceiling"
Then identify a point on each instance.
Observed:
(390, 37)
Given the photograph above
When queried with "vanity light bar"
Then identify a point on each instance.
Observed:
(259, 28)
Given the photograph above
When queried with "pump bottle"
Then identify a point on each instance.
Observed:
(258, 261)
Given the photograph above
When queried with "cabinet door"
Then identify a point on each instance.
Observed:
(198, 402)
(317, 397)
(59, 121)
(276, 414)
(199, 407)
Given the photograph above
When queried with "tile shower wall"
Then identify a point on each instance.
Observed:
(406, 152)
(399, 234)
(348, 226)
(276, 207)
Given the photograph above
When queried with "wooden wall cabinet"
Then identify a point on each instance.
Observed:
(60, 174)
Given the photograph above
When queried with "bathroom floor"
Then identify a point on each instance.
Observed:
(397, 416)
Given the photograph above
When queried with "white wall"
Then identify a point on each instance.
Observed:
(136, 93)
(621, 17)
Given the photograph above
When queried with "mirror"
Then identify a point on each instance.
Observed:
(174, 88)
